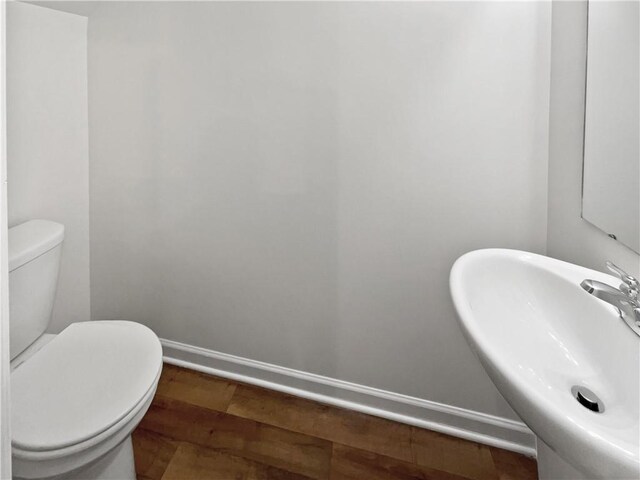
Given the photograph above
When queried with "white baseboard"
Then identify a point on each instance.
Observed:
(467, 424)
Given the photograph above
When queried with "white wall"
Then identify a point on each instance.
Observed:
(570, 237)
(47, 156)
(5, 357)
(291, 182)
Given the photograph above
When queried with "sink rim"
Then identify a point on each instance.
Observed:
(559, 431)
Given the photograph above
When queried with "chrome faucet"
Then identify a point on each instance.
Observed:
(624, 298)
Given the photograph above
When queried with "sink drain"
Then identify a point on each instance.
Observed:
(587, 399)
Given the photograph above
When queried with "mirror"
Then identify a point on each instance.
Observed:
(611, 170)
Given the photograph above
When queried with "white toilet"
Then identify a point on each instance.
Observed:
(76, 396)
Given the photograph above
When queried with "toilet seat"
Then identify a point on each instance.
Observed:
(82, 387)
(61, 463)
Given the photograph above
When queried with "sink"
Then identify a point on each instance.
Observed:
(542, 338)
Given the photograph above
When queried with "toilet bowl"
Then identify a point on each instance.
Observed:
(76, 396)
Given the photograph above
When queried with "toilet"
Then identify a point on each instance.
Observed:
(75, 396)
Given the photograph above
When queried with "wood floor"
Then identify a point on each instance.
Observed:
(202, 427)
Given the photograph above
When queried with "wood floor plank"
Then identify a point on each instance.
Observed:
(286, 450)
(251, 430)
(349, 463)
(152, 453)
(451, 454)
(196, 463)
(513, 466)
(195, 388)
(334, 424)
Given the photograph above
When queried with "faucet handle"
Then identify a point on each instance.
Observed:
(633, 286)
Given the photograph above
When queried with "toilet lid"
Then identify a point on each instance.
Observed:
(81, 383)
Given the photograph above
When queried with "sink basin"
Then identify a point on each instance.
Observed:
(538, 334)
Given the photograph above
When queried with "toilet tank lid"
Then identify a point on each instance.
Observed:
(31, 239)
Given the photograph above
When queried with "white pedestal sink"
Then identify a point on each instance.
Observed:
(538, 334)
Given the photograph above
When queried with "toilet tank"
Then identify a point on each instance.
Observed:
(34, 260)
